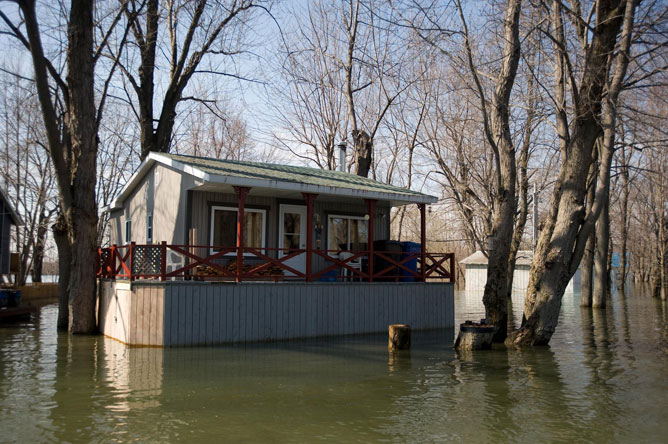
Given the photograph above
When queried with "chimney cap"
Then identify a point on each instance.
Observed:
(342, 146)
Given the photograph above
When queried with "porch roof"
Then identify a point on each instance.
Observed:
(277, 177)
(9, 209)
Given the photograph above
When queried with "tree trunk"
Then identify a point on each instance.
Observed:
(64, 263)
(601, 257)
(73, 149)
(81, 216)
(587, 263)
(363, 152)
(587, 272)
(624, 218)
(563, 239)
(497, 132)
(38, 248)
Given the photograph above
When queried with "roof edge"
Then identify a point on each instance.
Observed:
(153, 157)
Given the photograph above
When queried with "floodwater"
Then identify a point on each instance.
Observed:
(603, 379)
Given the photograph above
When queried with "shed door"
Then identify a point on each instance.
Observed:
(292, 235)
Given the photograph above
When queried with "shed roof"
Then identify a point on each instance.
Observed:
(524, 257)
(10, 209)
(275, 176)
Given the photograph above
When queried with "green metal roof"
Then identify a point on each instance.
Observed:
(293, 174)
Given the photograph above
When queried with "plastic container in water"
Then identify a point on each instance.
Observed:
(409, 247)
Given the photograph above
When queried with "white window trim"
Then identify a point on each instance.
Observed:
(235, 209)
(342, 216)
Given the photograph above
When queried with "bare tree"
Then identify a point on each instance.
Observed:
(190, 32)
(567, 228)
(71, 119)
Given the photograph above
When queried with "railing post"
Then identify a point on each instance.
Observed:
(423, 241)
(241, 194)
(163, 260)
(112, 261)
(310, 198)
(130, 253)
(371, 206)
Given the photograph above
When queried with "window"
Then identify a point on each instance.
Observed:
(224, 227)
(348, 233)
(149, 228)
(128, 229)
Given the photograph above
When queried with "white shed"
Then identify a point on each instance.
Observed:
(476, 272)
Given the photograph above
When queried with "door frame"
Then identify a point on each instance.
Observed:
(303, 233)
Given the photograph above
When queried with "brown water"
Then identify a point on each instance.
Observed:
(603, 379)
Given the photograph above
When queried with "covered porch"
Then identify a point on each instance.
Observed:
(318, 238)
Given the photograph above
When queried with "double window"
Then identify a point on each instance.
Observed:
(348, 233)
(224, 227)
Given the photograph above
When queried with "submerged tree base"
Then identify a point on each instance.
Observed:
(475, 336)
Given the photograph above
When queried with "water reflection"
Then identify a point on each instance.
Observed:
(603, 379)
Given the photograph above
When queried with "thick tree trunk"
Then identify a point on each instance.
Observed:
(363, 152)
(64, 264)
(73, 149)
(601, 258)
(81, 216)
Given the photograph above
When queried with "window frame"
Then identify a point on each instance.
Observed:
(343, 216)
(236, 210)
(149, 228)
(128, 232)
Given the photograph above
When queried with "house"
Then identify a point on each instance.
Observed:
(247, 251)
(8, 217)
(476, 272)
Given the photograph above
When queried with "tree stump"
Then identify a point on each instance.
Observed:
(474, 336)
(399, 337)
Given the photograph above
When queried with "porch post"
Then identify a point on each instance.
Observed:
(423, 240)
(309, 198)
(371, 206)
(241, 195)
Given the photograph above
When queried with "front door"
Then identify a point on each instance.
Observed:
(292, 235)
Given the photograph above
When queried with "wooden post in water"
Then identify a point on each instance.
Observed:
(399, 337)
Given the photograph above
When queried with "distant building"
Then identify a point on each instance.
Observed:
(476, 272)
(8, 217)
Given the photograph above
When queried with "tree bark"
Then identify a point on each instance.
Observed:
(64, 263)
(81, 215)
(363, 152)
(601, 258)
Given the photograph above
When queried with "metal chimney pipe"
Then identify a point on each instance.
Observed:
(342, 156)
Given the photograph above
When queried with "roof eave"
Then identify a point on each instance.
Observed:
(261, 183)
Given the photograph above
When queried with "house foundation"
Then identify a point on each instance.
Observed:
(187, 313)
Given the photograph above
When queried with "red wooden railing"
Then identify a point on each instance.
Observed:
(204, 262)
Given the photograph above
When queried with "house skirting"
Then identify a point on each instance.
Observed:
(185, 313)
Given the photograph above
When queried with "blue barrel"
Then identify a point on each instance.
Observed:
(329, 276)
(409, 247)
